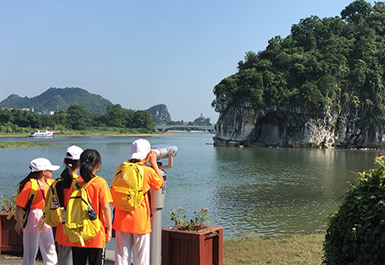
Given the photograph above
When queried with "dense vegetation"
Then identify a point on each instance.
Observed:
(335, 64)
(356, 233)
(76, 118)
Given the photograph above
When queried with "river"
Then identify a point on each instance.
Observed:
(247, 190)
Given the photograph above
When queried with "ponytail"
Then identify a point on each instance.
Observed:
(67, 174)
(31, 175)
(67, 177)
(89, 159)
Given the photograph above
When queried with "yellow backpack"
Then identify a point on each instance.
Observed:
(81, 221)
(127, 186)
(52, 209)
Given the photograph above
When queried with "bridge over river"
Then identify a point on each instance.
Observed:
(164, 128)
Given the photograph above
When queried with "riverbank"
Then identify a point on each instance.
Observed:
(293, 249)
(94, 132)
(89, 133)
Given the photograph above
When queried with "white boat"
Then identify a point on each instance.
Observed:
(45, 134)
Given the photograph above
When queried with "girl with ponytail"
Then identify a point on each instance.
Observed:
(64, 190)
(100, 197)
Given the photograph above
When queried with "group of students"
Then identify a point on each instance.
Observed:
(132, 228)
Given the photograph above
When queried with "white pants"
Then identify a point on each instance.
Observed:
(139, 244)
(33, 239)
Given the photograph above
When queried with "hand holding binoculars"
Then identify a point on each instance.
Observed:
(166, 151)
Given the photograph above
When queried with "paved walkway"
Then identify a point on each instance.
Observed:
(12, 260)
(6, 259)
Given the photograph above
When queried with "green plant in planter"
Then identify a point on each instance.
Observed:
(8, 205)
(181, 221)
(356, 233)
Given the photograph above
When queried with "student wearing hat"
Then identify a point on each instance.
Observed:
(64, 189)
(133, 227)
(36, 234)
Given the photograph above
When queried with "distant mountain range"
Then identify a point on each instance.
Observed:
(56, 99)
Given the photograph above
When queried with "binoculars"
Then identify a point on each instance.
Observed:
(166, 151)
(157, 203)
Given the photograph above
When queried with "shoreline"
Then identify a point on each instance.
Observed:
(23, 135)
(89, 133)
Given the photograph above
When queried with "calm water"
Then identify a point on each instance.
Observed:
(247, 190)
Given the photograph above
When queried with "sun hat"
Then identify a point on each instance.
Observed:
(139, 149)
(40, 164)
(73, 152)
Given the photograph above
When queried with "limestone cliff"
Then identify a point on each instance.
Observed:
(241, 124)
(160, 114)
(321, 86)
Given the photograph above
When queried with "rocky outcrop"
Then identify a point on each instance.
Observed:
(202, 121)
(241, 124)
(160, 114)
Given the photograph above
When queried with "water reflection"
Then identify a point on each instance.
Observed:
(247, 190)
(265, 190)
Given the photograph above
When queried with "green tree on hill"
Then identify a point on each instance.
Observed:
(117, 116)
(77, 117)
(334, 64)
(142, 119)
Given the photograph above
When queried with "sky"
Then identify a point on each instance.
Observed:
(140, 53)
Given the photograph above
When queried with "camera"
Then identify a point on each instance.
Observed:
(91, 213)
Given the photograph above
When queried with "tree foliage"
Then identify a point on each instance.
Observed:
(77, 118)
(332, 63)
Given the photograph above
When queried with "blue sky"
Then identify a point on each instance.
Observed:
(140, 53)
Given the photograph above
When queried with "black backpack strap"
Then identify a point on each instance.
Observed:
(59, 187)
(27, 209)
(149, 201)
(32, 194)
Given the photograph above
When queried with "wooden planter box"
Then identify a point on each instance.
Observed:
(10, 241)
(203, 247)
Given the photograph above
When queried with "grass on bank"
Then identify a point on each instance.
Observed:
(24, 144)
(294, 249)
(94, 131)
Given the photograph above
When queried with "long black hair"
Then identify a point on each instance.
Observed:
(89, 159)
(67, 177)
(31, 175)
(67, 174)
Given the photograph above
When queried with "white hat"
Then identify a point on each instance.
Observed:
(139, 149)
(73, 152)
(40, 164)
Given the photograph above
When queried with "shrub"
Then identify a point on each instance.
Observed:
(356, 233)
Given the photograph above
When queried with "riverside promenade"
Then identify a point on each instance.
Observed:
(6, 259)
